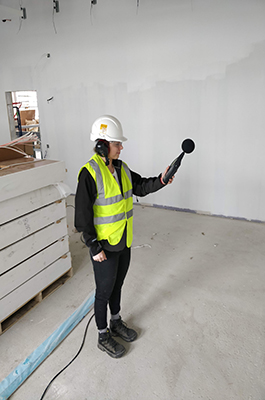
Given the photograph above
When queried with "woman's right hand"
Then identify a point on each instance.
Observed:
(100, 256)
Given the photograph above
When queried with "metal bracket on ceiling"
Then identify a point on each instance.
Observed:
(56, 6)
(23, 13)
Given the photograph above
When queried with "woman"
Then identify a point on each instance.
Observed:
(104, 213)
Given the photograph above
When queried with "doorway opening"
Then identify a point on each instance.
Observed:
(23, 115)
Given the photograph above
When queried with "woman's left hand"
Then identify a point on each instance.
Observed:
(170, 180)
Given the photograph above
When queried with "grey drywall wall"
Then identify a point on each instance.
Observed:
(168, 70)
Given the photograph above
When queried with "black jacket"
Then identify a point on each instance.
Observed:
(85, 197)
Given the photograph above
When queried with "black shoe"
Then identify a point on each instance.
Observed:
(119, 328)
(106, 343)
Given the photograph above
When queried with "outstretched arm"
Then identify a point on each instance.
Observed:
(143, 186)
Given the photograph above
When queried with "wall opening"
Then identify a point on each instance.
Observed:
(23, 115)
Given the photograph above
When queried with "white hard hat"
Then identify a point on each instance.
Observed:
(107, 127)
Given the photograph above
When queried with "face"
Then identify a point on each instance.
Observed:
(115, 149)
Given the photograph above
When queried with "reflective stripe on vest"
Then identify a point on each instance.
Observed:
(112, 210)
(113, 218)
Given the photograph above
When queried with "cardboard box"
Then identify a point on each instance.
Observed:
(8, 154)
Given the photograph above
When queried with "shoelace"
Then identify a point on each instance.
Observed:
(123, 326)
(111, 342)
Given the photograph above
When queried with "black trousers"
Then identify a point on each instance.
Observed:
(109, 278)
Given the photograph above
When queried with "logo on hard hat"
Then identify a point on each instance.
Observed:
(103, 129)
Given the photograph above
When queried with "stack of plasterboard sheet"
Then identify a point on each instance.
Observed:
(34, 246)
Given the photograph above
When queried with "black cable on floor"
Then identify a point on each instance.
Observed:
(77, 354)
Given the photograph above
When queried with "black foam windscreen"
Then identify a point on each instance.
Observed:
(188, 146)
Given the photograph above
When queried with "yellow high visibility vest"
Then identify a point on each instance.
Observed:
(112, 210)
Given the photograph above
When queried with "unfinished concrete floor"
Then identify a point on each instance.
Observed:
(195, 293)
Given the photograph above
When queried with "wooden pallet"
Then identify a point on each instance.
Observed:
(23, 310)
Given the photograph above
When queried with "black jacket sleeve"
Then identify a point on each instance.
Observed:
(144, 186)
(86, 194)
